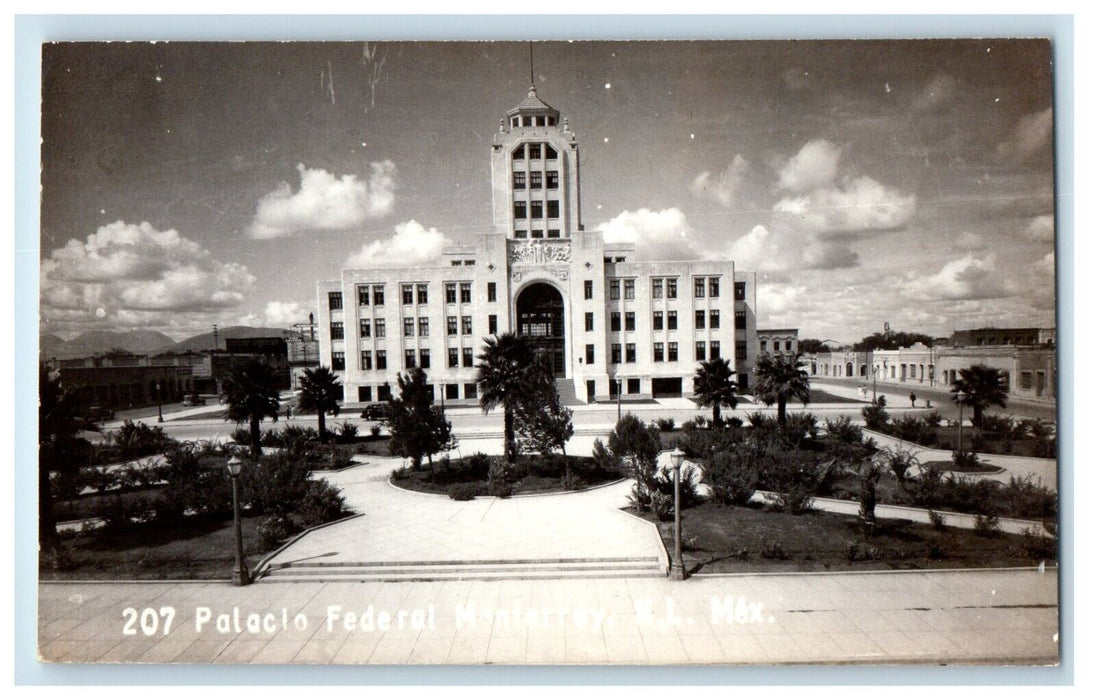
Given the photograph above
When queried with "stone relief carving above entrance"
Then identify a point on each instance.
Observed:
(540, 253)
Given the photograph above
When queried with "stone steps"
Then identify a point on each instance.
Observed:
(609, 567)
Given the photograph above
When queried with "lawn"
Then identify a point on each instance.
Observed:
(724, 539)
(196, 549)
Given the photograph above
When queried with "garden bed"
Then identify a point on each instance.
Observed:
(983, 468)
(724, 539)
(529, 475)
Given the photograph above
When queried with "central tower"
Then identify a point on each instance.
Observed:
(534, 173)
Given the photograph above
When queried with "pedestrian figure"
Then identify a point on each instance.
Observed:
(288, 411)
(913, 400)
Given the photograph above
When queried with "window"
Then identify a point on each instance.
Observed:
(629, 321)
(363, 295)
(713, 319)
(1025, 380)
(408, 294)
(466, 325)
(740, 291)
(336, 330)
(451, 293)
(553, 209)
(364, 328)
(614, 290)
(422, 293)
(589, 354)
(470, 390)
(660, 353)
(334, 300)
(698, 287)
(367, 359)
(553, 179)
(614, 321)
(629, 289)
(764, 346)
(408, 327)
(534, 150)
(519, 152)
(656, 289)
(382, 359)
(536, 210)
(338, 360)
(424, 358)
(492, 324)
(553, 233)
(384, 392)
(633, 385)
(424, 326)
(549, 152)
(535, 181)
(589, 321)
(714, 354)
(588, 289)
(408, 359)
(521, 233)
(492, 291)
(365, 393)
(452, 391)
(450, 325)
(537, 233)
(671, 320)
(466, 292)
(700, 316)
(519, 181)
(378, 295)
(740, 350)
(519, 210)
(701, 351)
(713, 287)
(616, 354)
(454, 357)
(656, 321)
(671, 352)
(671, 289)
(630, 352)
(378, 325)
(466, 357)
(740, 319)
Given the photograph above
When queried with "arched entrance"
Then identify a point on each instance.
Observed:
(539, 314)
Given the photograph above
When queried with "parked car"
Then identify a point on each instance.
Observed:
(374, 411)
(193, 400)
(95, 414)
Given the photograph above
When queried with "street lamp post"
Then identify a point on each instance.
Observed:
(620, 393)
(239, 574)
(960, 396)
(677, 567)
(874, 372)
(159, 405)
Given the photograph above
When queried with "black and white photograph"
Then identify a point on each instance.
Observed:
(548, 353)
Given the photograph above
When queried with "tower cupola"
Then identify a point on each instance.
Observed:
(532, 112)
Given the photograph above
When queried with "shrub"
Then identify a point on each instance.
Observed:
(913, 429)
(1035, 545)
(869, 479)
(900, 462)
(375, 430)
(139, 440)
(860, 551)
(800, 426)
(401, 473)
(844, 431)
(1023, 497)
(347, 431)
(276, 484)
(463, 491)
(662, 506)
(875, 415)
(987, 525)
(272, 532)
(477, 466)
(937, 520)
(321, 503)
(732, 476)
(773, 549)
(240, 436)
(966, 460)
(936, 551)
(573, 482)
(195, 483)
(665, 424)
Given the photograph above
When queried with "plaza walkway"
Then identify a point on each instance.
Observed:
(938, 617)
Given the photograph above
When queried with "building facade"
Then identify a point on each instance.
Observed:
(605, 323)
(778, 342)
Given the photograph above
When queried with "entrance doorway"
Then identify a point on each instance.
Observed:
(540, 319)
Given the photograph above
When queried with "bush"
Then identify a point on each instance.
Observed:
(1035, 545)
(987, 525)
(937, 520)
(477, 466)
(876, 416)
(272, 532)
(241, 436)
(662, 506)
(844, 431)
(196, 483)
(913, 429)
(773, 549)
(665, 424)
(732, 476)
(400, 473)
(965, 460)
(860, 551)
(463, 491)
(800, 426)
(899, 462)
(572, 482)
(321, 504)
(347, 431)
(375, 430)
(276, 484)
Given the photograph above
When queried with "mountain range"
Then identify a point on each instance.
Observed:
(143, 342)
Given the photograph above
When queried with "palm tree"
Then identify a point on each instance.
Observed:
(982, 387)
(502, 378)
(321, 392)
(252, 394)
(714, 385)
(59, 449)
(779, 380)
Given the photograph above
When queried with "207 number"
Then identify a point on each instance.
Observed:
(149, 621)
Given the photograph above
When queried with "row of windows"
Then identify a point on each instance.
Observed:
(384, 392)
(412, 293)
(666, 287)
(368, 328)
(536, 209)
(536, 233)
(537, 180)
(788, 345)
(534, 150)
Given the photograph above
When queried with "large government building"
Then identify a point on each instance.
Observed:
(605, 323)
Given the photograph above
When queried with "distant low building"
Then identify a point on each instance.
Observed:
(273, 350)
(122, 380)
(778, 342)
(982, 337)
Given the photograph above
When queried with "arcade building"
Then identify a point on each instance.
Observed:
(606, 324)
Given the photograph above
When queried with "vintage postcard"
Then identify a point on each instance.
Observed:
(593, 352)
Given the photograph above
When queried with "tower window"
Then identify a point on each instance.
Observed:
(656, 289)
(338, 360)
(536, 180)
(378, 295)
(614, 290)
(740, 319)
(336, 330)
(537, 210)
(713, 318)
(553, 233)
(588, 289)
(521, 233)
(740, 291)
(451, 293)
(553, 209)
(466, 292)
(629, 289)
(519, 210)
(700, 318)
(421, 293)
(519, 152)
(698, 287)
(671, 320)
(656, 321)
(549, 152)
(537, 233)
(629, 320)
(534, 150)
(334, 300)
(527, 121)
(589, 354)
(492, 292)
(614, 321)
(553, 179)
(363, 295)
(671, 289)
(519, 181)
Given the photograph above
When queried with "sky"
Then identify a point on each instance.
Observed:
(906, 182)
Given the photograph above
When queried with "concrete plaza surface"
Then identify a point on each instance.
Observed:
(951, 617)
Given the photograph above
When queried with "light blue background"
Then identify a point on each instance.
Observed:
(31, 31)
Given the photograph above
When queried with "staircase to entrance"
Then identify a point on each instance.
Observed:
(566, 390)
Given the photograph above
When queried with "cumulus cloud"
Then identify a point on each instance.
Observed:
(1031, 137)
(724, 187)
(970, 241)
(657, 235)
(937, 95)
(325, 202)
(410, 244)
(849, 210)
(1041, 228)
(814, 166)
(775, 250)
(964, 279)
(128, 273)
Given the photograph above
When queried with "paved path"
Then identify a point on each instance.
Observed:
(996, 616)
